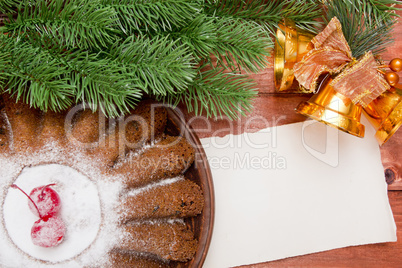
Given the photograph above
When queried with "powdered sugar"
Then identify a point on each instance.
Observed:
(132, 155)
(88, 200)
(150, 186)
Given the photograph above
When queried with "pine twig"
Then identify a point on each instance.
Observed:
(143, 16)
(358, 28)
(160, 66)
(34, 76)
(8, 6)
(73, 23)
(53, 78)
(217, 94)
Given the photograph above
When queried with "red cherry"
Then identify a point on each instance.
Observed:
(48, 232)
(46, 199)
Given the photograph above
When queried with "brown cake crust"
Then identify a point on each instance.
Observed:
(167, 159)
(131, 132)
(87, 127)
(109, 150)
(121, 259)
(179, 199)
(170, 241)
(53, 128)
(4, 135)
(24, 123)
(145, 123)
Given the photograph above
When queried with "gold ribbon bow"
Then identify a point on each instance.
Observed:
(357, 80)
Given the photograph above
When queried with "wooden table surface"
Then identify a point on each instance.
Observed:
(271, 109)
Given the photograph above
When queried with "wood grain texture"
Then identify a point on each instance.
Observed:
(272, 109)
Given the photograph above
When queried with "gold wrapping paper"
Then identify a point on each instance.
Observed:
(361, 82)
(330, 54)
(357, 80)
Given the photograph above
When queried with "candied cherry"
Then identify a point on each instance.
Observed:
(49, 230)
(46, 199)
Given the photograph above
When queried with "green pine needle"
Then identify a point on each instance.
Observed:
(269, 13)
(260, 12)
(159, 65)
(145, 15)
(243, 45)
(73, 23)
(376, 11)
(364, 30)
(102, 83)
(305, 14)
(34, 76)
(52, 78)
(199, 36)
(217, 94)
(8, 6)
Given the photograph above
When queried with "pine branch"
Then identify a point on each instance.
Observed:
(102, 83)
(199, 36)
(376, 11)
(54, 78)
(34, 76)
(234, 44)
(358, 28)
(305, 14)
(217, 94)
(73, 23)
(243, 45)
(8, 6)
(266, 14)
(160, 66)
(155, 15)
(110, 81)
(269, 14)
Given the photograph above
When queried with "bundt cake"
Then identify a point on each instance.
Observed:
(122, 183)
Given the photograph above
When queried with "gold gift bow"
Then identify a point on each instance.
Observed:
(357, 80)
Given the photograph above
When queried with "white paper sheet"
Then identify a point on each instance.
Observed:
(294, 190)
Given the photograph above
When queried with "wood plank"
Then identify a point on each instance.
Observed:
(271, 108)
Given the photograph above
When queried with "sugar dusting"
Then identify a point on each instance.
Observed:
(148, 187)
(104, 191)
(134, 154)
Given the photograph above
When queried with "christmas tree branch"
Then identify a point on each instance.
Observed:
(156, 15)
(358, 28)
(7, 6)
(74, 23)
(107, 53)
(160, 66)
(269, 13)
(34, 76)
(70, 76)
(243, 45)
(305, 14)
(199, 36)
(217, 94)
